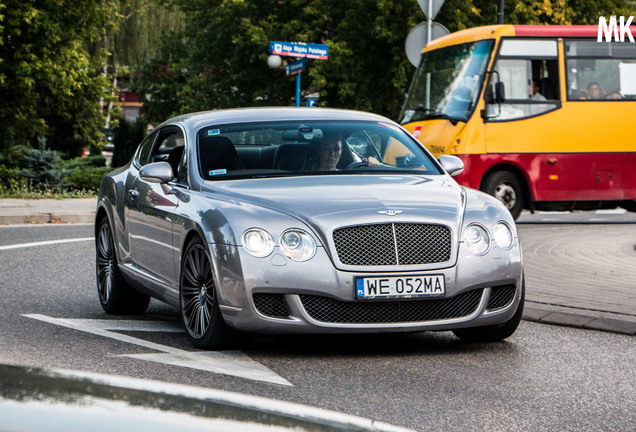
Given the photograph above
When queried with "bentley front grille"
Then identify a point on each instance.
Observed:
(393, 244)
(328, 310)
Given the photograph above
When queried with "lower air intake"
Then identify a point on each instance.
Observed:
(329, 310)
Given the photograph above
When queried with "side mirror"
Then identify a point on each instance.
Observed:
(157, 172)
(500, 92)
(451, 164)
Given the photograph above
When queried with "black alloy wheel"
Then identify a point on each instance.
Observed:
(198, 299)
(115, 295)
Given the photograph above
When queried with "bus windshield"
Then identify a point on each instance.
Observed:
(447, 82)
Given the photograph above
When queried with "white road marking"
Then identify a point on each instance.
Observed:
(617, 211)
(45, 243)
(233, 363)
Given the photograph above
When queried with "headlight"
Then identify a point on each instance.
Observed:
(297, 245)
(477, 239)
(503, 235)
(258, 242)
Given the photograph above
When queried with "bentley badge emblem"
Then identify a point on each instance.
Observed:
(390, 212)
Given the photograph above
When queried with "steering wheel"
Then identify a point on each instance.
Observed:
(355, 165)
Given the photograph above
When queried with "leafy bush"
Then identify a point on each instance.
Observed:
(87, 178)
(96, 161)
(42, 167)
(9, 178)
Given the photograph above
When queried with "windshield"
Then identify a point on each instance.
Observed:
(447, 83)
(309, 148)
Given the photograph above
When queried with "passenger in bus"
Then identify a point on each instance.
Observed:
(614, 95)
(534, 91)
(594, 91)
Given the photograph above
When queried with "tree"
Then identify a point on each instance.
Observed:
(48, 77)
(220, 61)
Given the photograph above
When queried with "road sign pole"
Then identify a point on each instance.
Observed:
(429, 35)
(298, 88)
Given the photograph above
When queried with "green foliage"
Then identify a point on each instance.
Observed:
(223, 63)
(47, 75)
(461, 14)
(41, 167)
(128, 136)
(94, 161)
(45, 174)
(9, 177)
(87, 178)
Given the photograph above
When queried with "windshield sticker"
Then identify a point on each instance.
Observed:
(218, 172)
(214, 132)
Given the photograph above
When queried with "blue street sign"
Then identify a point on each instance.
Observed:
(299, 49)
(296, 67)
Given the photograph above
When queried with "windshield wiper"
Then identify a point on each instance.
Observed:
(439, 115)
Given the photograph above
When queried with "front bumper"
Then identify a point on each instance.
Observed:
(277, 295)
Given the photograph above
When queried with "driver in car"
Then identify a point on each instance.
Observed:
(328, 154)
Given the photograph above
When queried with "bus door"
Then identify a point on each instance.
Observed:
(534, 130)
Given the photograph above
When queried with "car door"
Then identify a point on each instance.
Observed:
(150, 209)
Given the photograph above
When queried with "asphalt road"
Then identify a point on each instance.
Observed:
(543, 378)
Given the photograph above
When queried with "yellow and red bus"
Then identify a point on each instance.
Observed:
(543, 117)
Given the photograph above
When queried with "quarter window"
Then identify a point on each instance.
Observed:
(143, 154)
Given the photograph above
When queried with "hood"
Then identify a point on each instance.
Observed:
(330, 201)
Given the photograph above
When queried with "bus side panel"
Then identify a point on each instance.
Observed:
(556, 176)
(583, 144)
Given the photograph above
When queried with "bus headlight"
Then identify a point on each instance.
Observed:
(258, 242)
(298, 245)
(477, 239)
(503, 236)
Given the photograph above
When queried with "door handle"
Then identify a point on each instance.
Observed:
(133, 193)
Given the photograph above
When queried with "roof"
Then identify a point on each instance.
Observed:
(269, 114)
(496, 31)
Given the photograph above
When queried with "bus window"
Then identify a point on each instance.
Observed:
(529, 71)
(600, 71)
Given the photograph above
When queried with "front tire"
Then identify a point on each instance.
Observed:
(506, 187)
(198, 298)
(115, 295)
(495, 332)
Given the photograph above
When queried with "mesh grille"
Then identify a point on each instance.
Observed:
(393, 244)
(271, 305)
(501, 297)
(329, 310)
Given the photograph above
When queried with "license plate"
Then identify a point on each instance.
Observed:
(400, 286)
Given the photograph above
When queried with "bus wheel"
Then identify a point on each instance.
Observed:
(505, 186)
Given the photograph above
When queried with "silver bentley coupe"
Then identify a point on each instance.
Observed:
(304, 220)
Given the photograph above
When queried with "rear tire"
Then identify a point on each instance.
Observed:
(506, 187)
(115, 295)
(495, 332)
(199, 302)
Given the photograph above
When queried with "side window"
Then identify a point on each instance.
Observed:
(529, 72)
(600, 70)
(143, 154)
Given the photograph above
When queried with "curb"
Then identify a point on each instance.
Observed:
(47, 218)
(580, 318)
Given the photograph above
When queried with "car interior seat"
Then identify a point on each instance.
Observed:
(217, 153)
